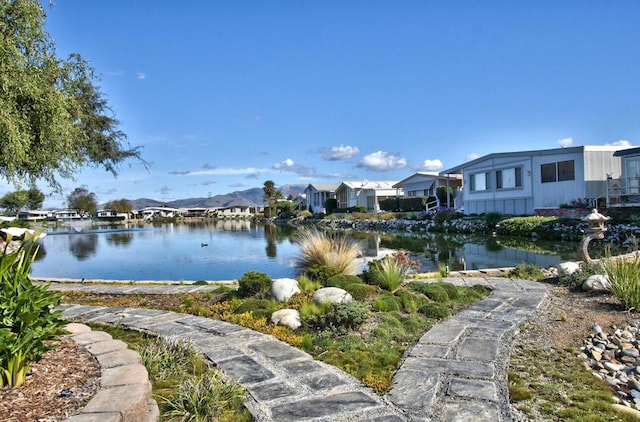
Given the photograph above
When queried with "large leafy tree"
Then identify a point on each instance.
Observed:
(82, 201)
(271, 196)
(15, 201)
(119, 205)
(53, 118)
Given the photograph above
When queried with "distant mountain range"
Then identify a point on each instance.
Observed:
(249, 197)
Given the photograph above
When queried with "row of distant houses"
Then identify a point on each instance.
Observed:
(516, 183)
(147, 213)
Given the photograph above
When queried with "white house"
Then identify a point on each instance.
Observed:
(365, 193)
(110, 214)
(316, 195)
(625, 190)
(426, 183)
(519, 183)
(35, 215)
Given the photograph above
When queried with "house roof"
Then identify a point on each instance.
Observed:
(628, 151)
(427, 175)
(369, 184)
(533, 153)
(326, 187)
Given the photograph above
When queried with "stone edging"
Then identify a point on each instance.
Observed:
(124, 394)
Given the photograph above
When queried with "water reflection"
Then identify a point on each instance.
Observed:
(176, 251)
(83, 246)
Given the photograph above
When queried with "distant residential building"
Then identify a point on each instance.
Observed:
(425, 184)
(67, 215)
(523, 183)
(35, 215)
(149, 213)
(317, 194)
(110, 214)
(366, 193)
(625, 190)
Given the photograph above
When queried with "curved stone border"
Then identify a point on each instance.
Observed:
(456, 371)
(124, 394)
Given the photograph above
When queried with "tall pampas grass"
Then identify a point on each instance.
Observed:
(332, 250)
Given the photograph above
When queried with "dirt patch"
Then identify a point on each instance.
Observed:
(57, 387)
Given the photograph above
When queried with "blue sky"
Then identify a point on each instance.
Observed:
(223, 95)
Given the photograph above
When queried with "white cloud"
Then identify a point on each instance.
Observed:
(342, 152)
(141, 76)
(432, 165)
(620, 143)
(227, 171)
(566, 142)
(179, 172)
(286, 164)
(289, 165)
(472, 156)
(382, 161)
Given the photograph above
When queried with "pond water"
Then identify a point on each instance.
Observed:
(225, 250)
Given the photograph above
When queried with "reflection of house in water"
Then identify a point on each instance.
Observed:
(478, 257)
(234, 225)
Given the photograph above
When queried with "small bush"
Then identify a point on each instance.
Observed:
(452, 291)
(578, 277)
(527, 272)
(201, 283)
(434, 310)
(342, 280)
(387, 303)
(321, 273)
(257, 307)
(165, 359)
(410, 301)
(361, 291)
(339, 318)
(307, 285)
(254, 283)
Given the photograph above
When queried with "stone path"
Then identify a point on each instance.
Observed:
(456, 371)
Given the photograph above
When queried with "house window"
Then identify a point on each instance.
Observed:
(479, 182)
(548, 172)
(509, 178)
(566, 170)
(558, 172)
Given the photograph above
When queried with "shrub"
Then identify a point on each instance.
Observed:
(527, 272)
(361, 291)
(434, 291)
(390, 271)
(342, 280)
(434, 310)
(257, 307)
(576, 278)
(28, 321)
(452, 291)
(333, 250)
(165, 358)
(624, 276)
(340, 317)
(410, 301)
(254, 283)
(387, 303)
(307, 285)
(492, 219)
(321, 273)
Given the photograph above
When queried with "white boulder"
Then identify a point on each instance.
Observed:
(282, 289)
(596, 282)
(287, 317)
(332, 295)
(568, 267)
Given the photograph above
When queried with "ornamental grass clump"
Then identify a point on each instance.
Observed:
(28, 319)
(390, 271)
(624, 276)
(333, 250)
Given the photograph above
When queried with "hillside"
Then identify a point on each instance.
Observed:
(249, 197)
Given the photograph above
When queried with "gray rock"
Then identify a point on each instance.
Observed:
(568, 267)
(287, 317)
(332, 295)
(282, 289)
(596, 282)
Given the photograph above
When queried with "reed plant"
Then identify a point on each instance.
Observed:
(333, 250)
(624, 276)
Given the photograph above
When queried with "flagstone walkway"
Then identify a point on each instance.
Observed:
(455, 372)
